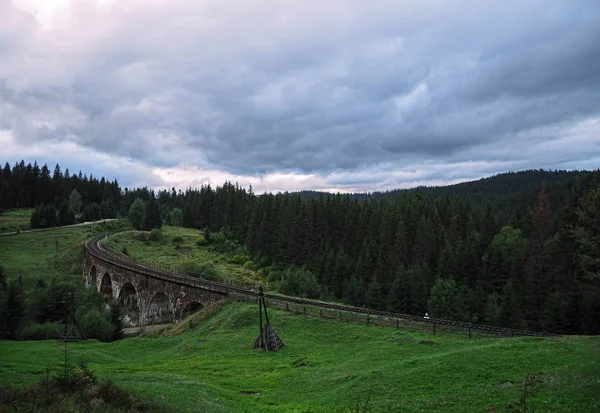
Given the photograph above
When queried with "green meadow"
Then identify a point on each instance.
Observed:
(210, 365)
(15, 220)
(207, 363)
(177, 249)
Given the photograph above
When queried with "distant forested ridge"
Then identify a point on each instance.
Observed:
(58, 198)
(517, 250)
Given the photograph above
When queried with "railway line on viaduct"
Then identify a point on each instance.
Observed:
(151, 296)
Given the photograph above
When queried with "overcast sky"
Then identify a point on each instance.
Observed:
(336, 95)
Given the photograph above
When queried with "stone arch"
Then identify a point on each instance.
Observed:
(160, 310)
(93, 277)
(129, 303)
(106, 287)
(191, 308)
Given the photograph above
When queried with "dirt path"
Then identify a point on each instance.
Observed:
(65, 226)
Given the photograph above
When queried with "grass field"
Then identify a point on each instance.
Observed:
(170, 254)
(327, 366)
(34, 254)
(15, 219)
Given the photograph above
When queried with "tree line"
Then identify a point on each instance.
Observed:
(530, 260)
(522, 251)
(57, 198)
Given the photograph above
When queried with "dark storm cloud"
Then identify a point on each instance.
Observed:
(308, 87)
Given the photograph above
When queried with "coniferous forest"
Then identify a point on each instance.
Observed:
(519, 250)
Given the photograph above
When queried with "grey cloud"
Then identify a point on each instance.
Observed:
(305, 86)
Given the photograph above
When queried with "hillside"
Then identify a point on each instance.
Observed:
(328, 366)
(480, 191)
(325, 365)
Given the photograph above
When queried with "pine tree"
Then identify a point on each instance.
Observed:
(65, 216)
(354, 291)
(15, 310)
(447, 300)
(374, 296)
(3, 303)
(587, 234)
(152, 219)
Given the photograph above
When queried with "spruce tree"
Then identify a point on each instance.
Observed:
(65, 216)
(152, 219)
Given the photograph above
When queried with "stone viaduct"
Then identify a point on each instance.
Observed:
(146, 295)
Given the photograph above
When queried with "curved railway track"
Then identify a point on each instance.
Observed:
(95, 248)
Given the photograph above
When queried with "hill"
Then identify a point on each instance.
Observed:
(479, 191)
(328, 366)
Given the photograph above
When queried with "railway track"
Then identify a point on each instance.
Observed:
(95, 247)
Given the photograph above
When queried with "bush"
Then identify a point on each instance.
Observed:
(45, 331)
(189, 267)
(239, 259)
(207, 235)
(218, 238)
(155, 234)
(300, 282)
(274, 276)
(205, 270)
(250, 265)
(178, 239)
(141, 236)
(209, 272)
(95, 324)
(201, 241)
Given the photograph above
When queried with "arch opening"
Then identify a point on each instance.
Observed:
(191, 308)
(129, 303)
(106, 288)
(160, 310)
(93, 277)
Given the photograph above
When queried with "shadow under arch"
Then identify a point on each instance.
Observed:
(160, 310)
(129, 303)
(191, 308)
(106, 288)
(93, 277)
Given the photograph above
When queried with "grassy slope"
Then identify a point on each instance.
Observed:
(212, 366)
(209, 367)
(33, 254)
(165, 253)
(15, 219)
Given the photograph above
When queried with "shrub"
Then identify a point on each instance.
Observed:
(300, 282)
(274, 276)
(118, 397)
(155, 234)
(45, 331)
(239, 259)
(178, 239)
(201, 241)
(124, 250)
(249, 265)
(188, 267)
(205, 270)
(141, 236)
(218, 238)
(209, 272)
(95, 324)
(207, 235)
